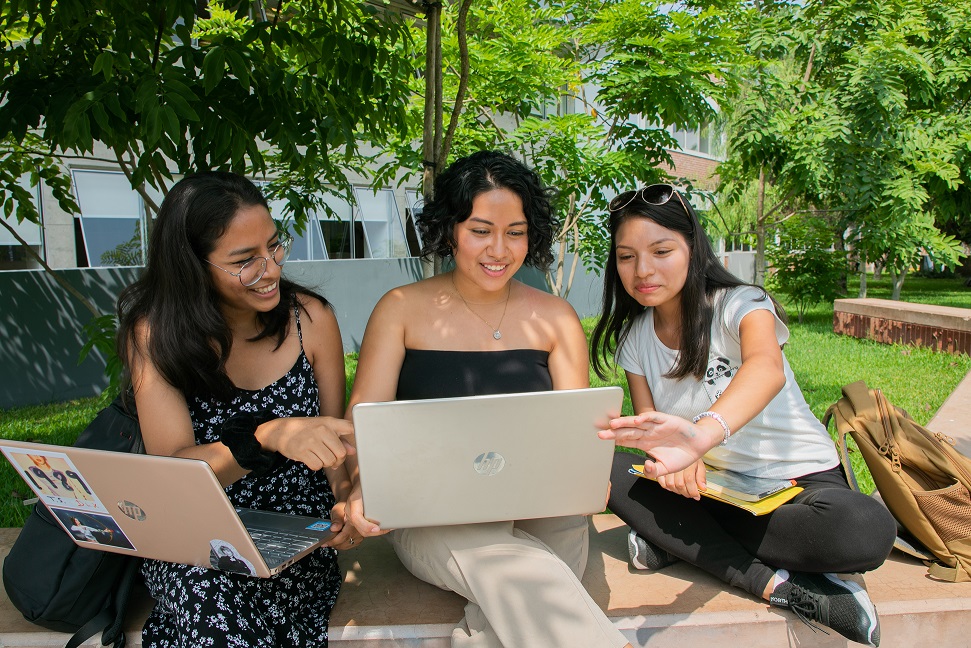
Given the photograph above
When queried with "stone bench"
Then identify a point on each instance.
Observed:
(383, 606)
(943, 328)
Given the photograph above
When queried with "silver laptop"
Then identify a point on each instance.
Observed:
(160, 507)
(485, 458)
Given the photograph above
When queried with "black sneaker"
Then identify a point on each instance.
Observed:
(647, 555)
(831, 601)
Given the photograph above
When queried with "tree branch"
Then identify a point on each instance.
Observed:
(780, 204)
(156, 51)
(140, 188)
(62, 156)
(439, 92)
(463, 83)
(55, 275)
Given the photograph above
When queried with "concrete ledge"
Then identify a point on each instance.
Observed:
(943, 328)
(383, 606)
(953, 416)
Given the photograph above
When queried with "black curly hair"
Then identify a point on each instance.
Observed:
(475, 174)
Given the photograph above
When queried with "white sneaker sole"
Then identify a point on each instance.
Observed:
(863, 599)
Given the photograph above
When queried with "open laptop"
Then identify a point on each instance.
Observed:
(485, 458)
(160, 507)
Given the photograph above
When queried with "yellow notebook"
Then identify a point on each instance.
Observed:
(760, 507)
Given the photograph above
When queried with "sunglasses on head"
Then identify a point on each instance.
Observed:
(655, 194)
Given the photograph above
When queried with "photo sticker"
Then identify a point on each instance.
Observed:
(55, 479)
(224, 557)
(94, 528)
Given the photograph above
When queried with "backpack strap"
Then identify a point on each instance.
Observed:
(97, 623)
(841, 447)
(110, 621)
(942, 572)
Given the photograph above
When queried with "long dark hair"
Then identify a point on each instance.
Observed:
(470, 176)
(189, 339)
(706, 276)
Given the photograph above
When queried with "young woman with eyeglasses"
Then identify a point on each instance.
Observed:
(709, 383)
(233, 364)
(476, 330)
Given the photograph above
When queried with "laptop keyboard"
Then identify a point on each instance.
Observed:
(278, 547)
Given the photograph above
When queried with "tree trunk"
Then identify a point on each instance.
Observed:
(878, 270)
(433, 44)
(862, 294)
(436, 143)
(840, 246)
(759, 278)
(575, 263)
(898, 282)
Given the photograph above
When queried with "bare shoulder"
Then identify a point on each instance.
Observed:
(320, 313)
(408, 299)
(141, 331)
(548, 306)
(137, 342)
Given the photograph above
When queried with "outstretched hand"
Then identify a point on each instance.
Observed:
(672, 442)
(318, 442)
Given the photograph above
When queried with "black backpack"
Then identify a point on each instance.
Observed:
(57, 584)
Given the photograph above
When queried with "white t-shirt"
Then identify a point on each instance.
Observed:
(784, 441)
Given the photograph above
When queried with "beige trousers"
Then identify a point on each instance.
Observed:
(521, 580)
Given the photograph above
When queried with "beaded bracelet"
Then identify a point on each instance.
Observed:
(239, 435)
(721, 421)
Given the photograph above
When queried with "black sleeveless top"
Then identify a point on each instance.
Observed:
(445, 374)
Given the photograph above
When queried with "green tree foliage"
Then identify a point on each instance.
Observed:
(164, 87)
(128, 253)
(804, 265)
(167, 92)
(861, 109)
(581, 91)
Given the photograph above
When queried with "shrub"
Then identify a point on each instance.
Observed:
(804, 265)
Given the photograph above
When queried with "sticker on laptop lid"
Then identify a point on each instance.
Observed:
(93, 528)
(55, 479)
(224, 557)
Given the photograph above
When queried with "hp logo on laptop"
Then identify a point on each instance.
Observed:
(489, 463)
(132, 510)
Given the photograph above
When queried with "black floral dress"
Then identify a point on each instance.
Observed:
(204, 607)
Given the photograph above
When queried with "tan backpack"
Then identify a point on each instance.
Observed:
(922, 479)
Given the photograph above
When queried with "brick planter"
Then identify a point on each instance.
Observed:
(942, 328)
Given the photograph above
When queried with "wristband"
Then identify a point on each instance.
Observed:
(239, 435)
(721, 421)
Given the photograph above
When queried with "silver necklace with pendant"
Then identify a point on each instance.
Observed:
(496, 333)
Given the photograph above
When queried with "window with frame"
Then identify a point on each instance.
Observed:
(13, 256)
(111, 227)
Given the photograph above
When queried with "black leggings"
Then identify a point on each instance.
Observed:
(826, 528)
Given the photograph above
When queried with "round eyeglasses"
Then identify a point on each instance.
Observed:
(655, 194)
(254, 269)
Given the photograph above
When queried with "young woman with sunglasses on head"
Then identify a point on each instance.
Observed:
(476, 330)
(709, 384)
(233, 364)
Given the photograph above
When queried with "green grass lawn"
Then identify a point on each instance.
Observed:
(917, 380)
